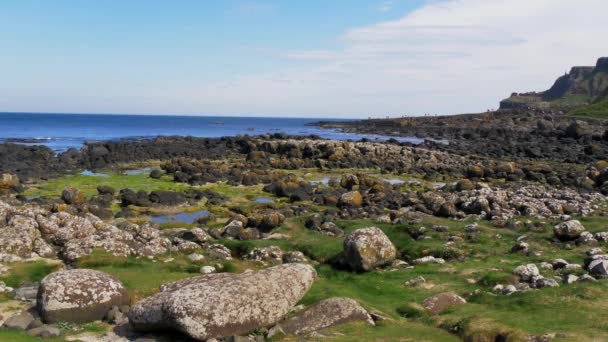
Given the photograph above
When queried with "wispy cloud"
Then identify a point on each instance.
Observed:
(386, 6)
(449, 56)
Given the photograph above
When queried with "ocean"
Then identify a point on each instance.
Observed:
(63, 131)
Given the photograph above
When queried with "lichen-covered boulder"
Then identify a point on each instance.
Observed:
(224, 304)
(79, 295)
(526, 273)
(325, 314)
(368, 248)
(18, 236)
(570, 230)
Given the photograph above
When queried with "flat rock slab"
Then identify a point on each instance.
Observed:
(325, 314)
(224, 304)
(439, 302)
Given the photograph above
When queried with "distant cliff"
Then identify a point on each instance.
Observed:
(582, 86)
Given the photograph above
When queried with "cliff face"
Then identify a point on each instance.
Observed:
(581, 86)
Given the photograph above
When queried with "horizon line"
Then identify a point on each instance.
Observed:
(193, 115)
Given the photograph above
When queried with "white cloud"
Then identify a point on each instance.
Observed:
(449, 56)
(386, 6)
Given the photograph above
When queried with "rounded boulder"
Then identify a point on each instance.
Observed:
(368, 248)
(79, 295)
(569, 230)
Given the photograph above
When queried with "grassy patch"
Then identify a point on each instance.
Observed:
(21, 336)
(598, 110)
(143, 277)
(88, 184)
(27, 272)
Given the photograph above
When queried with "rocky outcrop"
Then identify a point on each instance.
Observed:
(221, 305)
(79, 295)
(325, 314)
(368, 248)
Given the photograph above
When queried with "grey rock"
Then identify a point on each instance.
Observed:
(439, 302)
(27, 292)
(429, 260)
(224, 304)
(79, 295)
(546, 282)
(368, 248)
(569, 230)
(325, 314)
(45, 331)
(526, 272)
(20, 321)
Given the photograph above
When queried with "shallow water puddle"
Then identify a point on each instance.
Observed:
(180, 217)
(93, 174)
(263, 200)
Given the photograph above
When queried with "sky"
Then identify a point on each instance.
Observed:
(314, 58)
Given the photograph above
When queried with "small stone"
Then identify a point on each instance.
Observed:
(429, 260)
(20, 321)
(594, 251)
(44, 331)
(526, 272)
(509, 289)
(207, 270)
(585, 278)
(570, 278)
(438, 303)
(415, 282)
(195, 257)
(559, 263)
(546, 282)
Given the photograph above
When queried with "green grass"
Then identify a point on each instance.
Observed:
(487, 262)
(143, 277)
(27, 272)
(399, 330)
(88, 184)
(21, 336)
(598, 110)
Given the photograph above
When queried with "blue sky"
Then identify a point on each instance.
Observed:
(236, 57)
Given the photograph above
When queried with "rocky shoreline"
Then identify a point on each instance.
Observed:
(514, 134)
(278, 237)
(457, 201)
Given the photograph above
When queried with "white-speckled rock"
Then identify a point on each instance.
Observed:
(79, 295)
(224, 304)
(569, 230)
(325, 314)
(368, 248)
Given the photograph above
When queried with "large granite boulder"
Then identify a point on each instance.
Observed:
(224, 304)
(368, 248)
(79, 295)
(325, 314)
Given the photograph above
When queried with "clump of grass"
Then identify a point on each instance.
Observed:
(28, 272)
